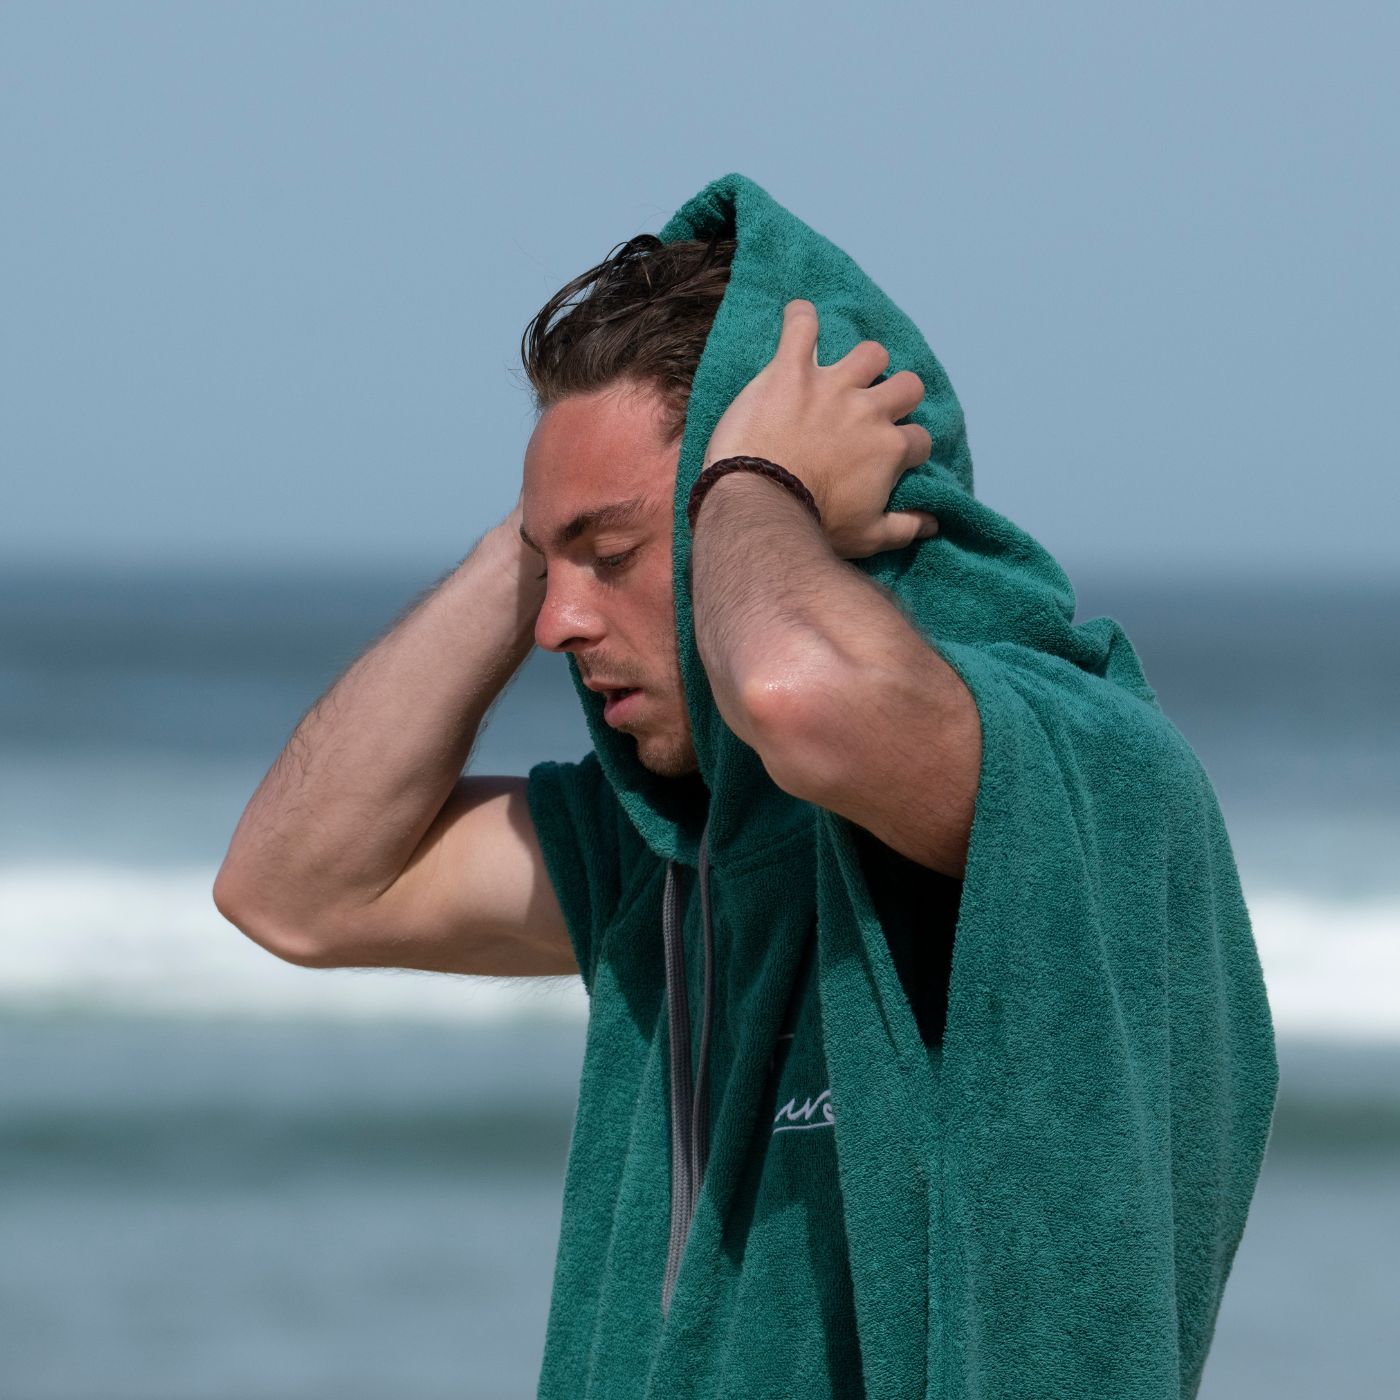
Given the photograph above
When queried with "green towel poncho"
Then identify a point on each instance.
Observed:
(994, 1138)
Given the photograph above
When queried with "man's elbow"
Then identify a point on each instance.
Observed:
(795, 735)
(232, 900)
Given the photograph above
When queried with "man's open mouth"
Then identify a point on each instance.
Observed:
(619, 703)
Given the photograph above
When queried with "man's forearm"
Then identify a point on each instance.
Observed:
(778, 615)
(346, 803)
(815, 666)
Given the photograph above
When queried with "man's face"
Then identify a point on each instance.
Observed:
(609, 598)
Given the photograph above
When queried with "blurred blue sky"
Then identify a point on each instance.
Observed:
(266, 266)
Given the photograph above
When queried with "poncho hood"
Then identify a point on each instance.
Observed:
(1045, 1199)
(981, 579)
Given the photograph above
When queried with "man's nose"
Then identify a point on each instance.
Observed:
(566, 619)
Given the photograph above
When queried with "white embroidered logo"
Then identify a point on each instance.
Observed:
(791, 1116)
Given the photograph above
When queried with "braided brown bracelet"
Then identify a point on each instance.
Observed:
(715, 470)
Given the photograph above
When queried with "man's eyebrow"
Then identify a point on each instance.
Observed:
(599, 518)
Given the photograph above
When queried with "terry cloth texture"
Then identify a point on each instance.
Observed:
(1036, 1101)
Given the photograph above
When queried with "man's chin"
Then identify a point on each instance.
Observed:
(667, 760)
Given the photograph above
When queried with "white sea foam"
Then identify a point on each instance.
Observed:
(113, 938)
(101, 937)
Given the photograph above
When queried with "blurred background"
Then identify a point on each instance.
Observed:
(265, 273)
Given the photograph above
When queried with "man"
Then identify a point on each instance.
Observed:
(386, 863)
(782, 1180)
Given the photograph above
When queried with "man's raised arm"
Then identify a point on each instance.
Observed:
(363, 845)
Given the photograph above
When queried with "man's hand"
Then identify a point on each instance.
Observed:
(829, 426)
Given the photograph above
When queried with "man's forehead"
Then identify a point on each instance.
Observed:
(597, 517)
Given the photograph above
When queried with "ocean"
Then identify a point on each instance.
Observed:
(225, 1176)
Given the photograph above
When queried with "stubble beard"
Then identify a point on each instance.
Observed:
(668, 755)
(670, 752)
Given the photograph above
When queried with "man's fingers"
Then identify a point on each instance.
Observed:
(898, 396)
(861, 364)
(798, 341)
(918, 445)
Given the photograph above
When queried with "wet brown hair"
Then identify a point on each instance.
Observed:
(642, 317)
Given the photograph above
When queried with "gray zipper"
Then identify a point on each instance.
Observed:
(690, 1122)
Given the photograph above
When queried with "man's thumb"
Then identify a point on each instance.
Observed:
(910, 526)
(925, 524)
